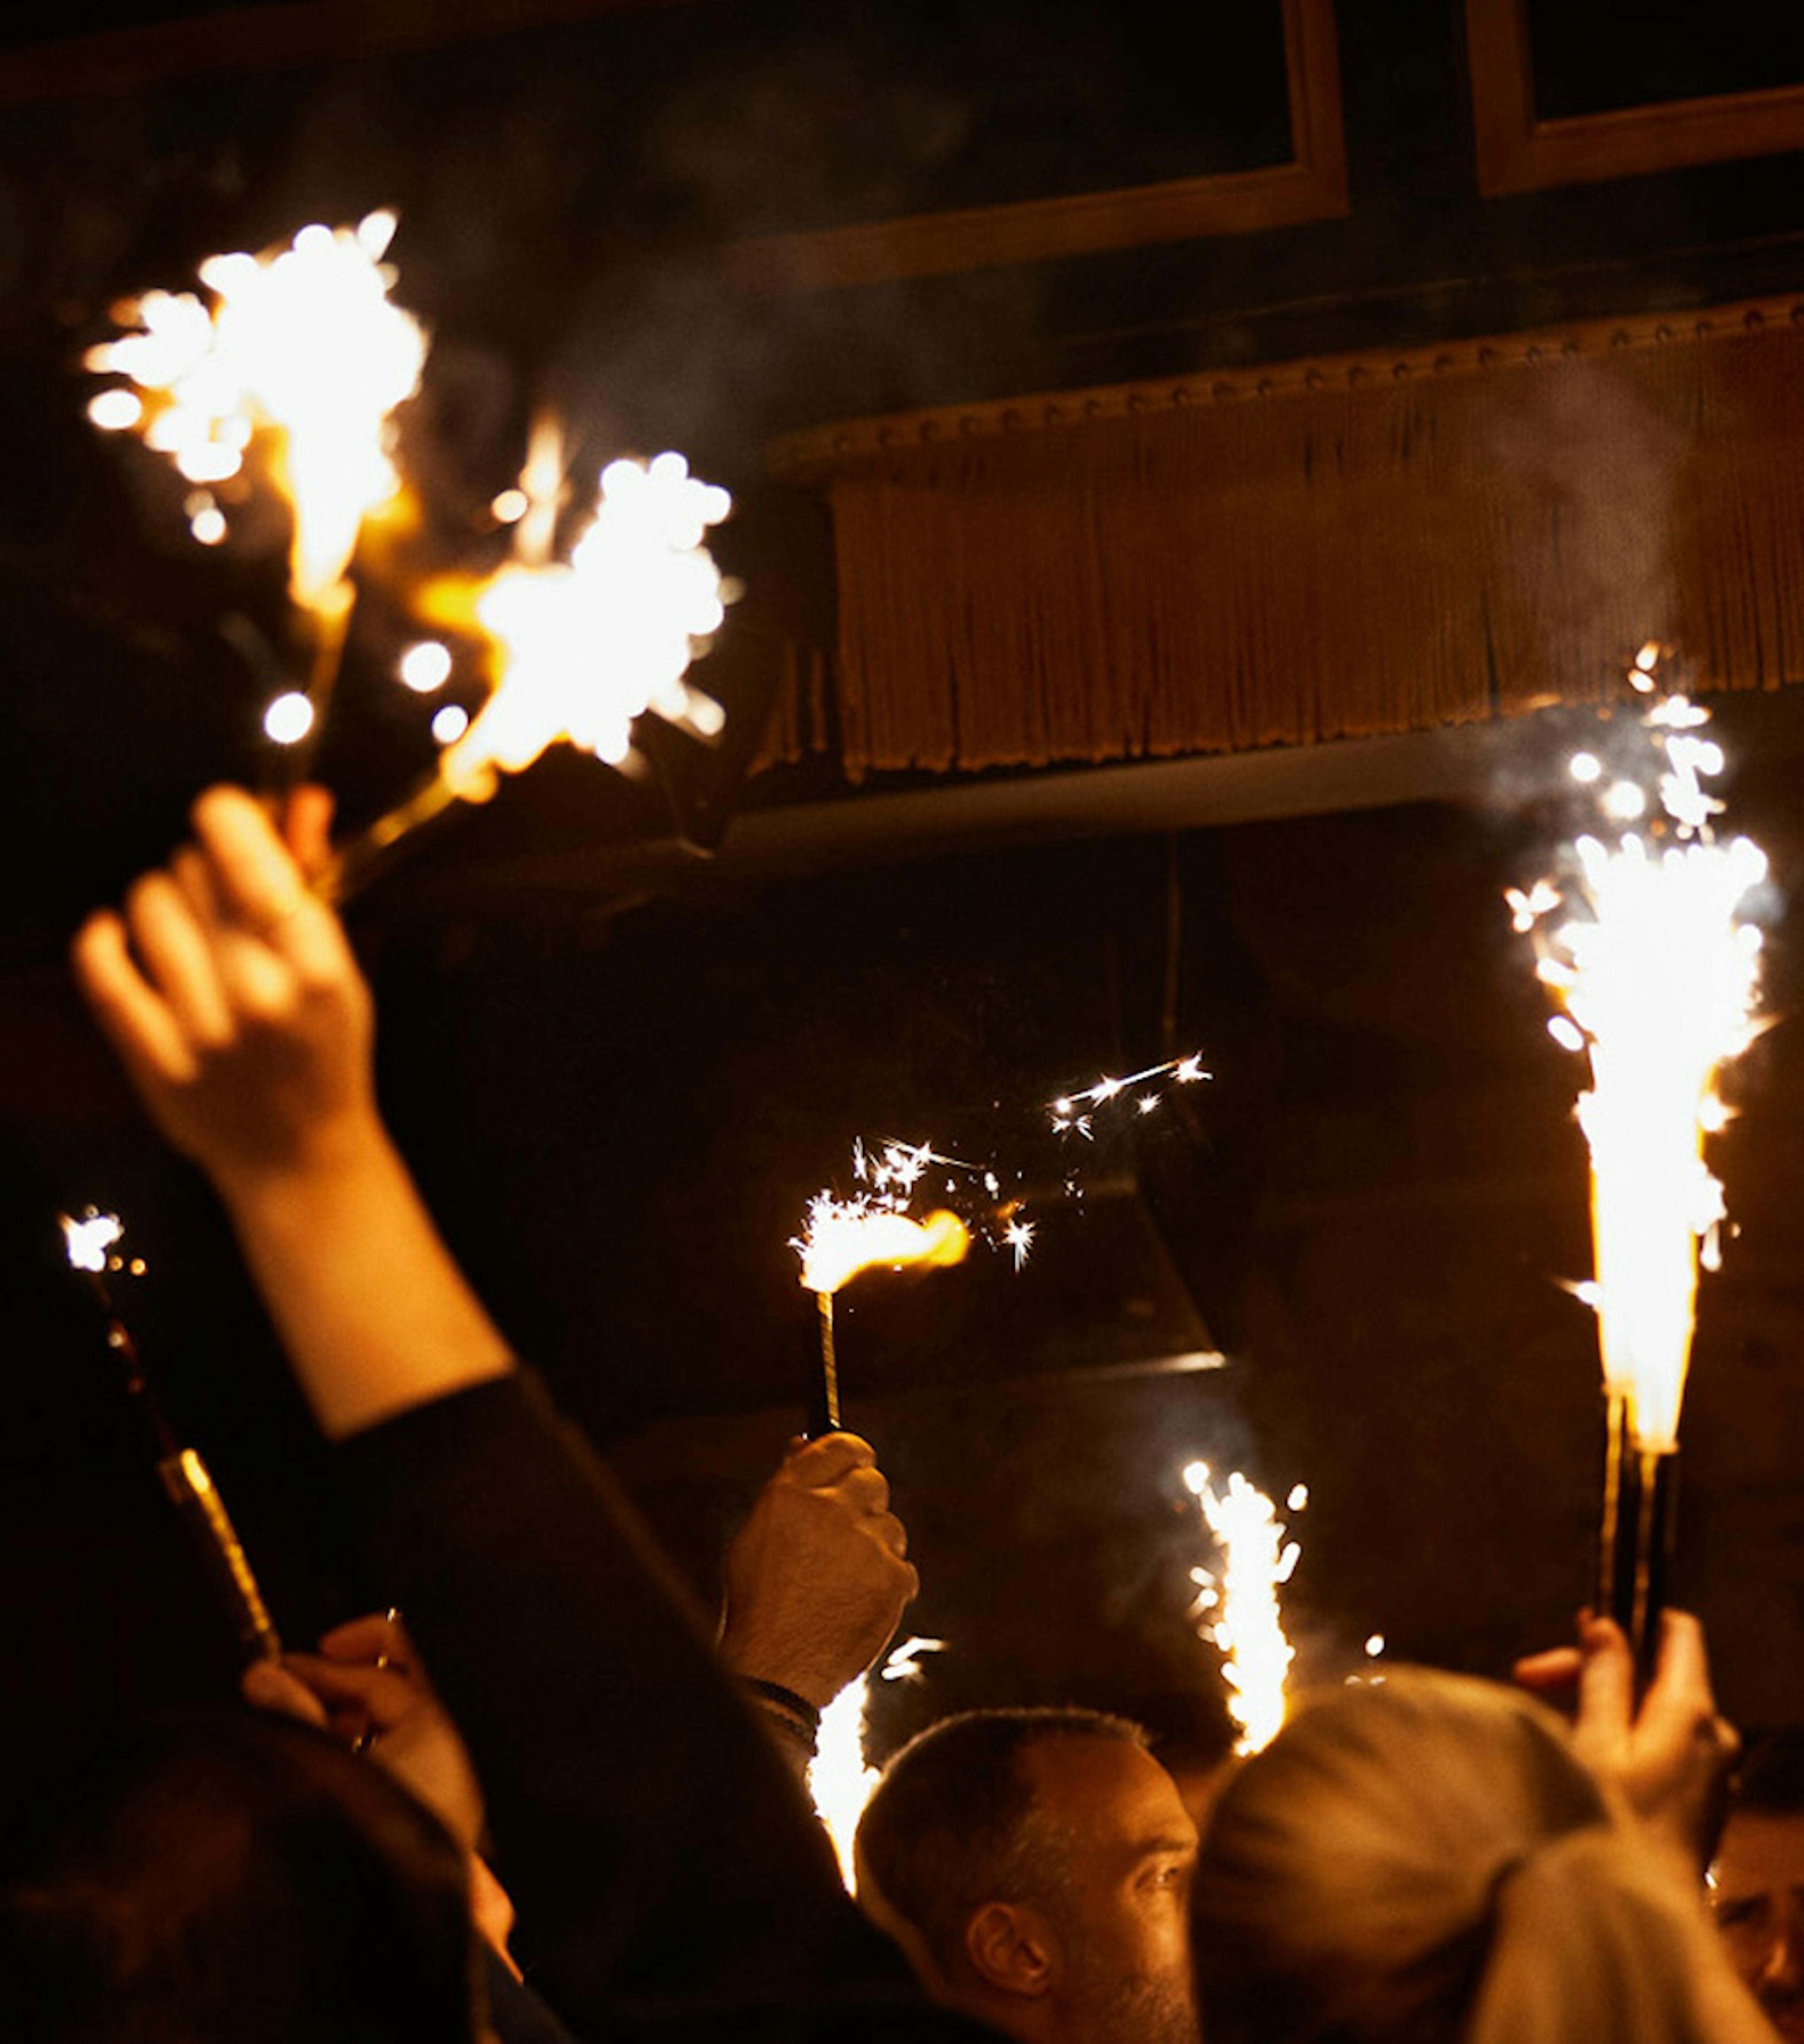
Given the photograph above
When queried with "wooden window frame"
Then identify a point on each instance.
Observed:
(1518, 152)
(1311, 186)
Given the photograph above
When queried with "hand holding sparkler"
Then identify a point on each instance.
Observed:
(817, 1578)
(231, 994)
(1669, 1758)
(232, 999)
(366, 1686)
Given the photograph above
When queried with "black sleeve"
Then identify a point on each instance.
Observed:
(661, 1861)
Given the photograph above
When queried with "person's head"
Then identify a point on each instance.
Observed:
(236, 1875)
(1034, 1866)
(1425, 1861)
(1757, 1880)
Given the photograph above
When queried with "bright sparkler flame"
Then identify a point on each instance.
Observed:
(89, 1239)
(581, 650)
(1248, 1627)
(303, 344)
(1658, 975)
(846, 1236)
(839, 1783)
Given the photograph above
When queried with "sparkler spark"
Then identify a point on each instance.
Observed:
(846, 1236)
(576, 651)
(1067, 1112)
(1246, 1626)
(1657, 972)
(839, 1783)
(301, 345)
(89, 1239)
(579, 650)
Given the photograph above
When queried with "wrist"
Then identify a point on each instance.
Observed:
(756, 1663)
(347, 1151)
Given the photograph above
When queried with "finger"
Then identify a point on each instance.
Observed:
(307, 828)
(377, 1636)
(1680, 1702)
(271, 1687)
(258, 881)
(382, 1696)
(865, 1489)
(1606, 1681)
(1549, 1673)
(177, 950)
(134, 1017)
(823, 1461)
(892, 1532)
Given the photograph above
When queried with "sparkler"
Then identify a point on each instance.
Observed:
(844, 1237)
(1248, 1625)
(839, 1782)
(93, 1245)
(577, 651)
(1657, 971)
(302, 349)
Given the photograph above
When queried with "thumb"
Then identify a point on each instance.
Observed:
(270, 1687)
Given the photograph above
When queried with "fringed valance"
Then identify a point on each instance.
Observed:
(1322, 550)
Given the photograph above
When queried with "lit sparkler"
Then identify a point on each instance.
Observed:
(1246, 1623)
(870, 1231)
(302, 347)
(577, 651)
(1656, 971)
(839, 1782)
(93, 1243)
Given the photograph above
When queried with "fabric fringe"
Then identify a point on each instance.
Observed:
(1386, 555)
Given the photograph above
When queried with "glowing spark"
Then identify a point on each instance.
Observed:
(1374, 1646)
(579, 650)
(1248, 1626)
(1064, 1110)
(904, 1663)
(1657, 975)
(1298, 1499)
(425, 666)
(1018, 1235)
(289, 719)
(450, 724)
(89, 1239)
(301, 345)
(846, 1236)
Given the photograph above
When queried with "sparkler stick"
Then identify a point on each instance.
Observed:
(185, 1478)
(823, 1391)
(578, 651)
(302, 350)
(1657, 977)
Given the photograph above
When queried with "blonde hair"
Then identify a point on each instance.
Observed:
(1425, 1861)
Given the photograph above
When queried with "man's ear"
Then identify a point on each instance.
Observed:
(1011, 1948)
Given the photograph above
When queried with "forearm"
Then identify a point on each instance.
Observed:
(375, 1315)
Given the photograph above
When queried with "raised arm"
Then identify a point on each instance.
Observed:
(231, 995)
(660, 1857)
